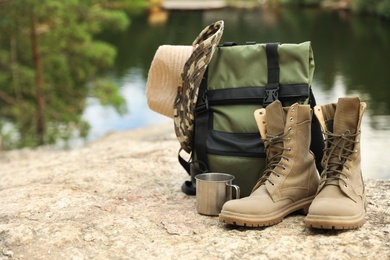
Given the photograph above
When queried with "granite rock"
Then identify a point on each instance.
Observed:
(120, 198)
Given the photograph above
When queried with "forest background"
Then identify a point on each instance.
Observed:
(52, 59)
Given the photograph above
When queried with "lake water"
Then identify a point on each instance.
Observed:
(352, 55)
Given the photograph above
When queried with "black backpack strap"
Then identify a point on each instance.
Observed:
(317, 140)
(189, 187)
(202, 121)
(272, 87)
(229, 44)
(185, 164)
(201, 128)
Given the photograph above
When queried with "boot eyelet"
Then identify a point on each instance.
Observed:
(291, 119)
(289, 129)
(283, 167)
(345, 185)
(289, 149)
(277, 175)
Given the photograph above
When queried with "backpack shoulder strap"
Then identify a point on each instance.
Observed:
(201, 126)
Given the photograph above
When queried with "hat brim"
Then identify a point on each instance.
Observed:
(164, 77)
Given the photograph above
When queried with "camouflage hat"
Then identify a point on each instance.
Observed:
(193, 70)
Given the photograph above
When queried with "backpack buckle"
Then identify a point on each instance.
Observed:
(204, 105)
(271, 94)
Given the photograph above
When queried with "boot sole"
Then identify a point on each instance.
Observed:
(335, 222)
(248, 220)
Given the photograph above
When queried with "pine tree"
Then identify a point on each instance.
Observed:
(50, 63)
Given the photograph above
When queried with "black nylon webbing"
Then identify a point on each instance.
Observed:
(272, 88)
(317, 141)
(255, 94)
(201, 126)
(272, 63)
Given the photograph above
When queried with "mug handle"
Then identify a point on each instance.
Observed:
(236, 188)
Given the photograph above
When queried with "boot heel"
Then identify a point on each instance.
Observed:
(304, 210)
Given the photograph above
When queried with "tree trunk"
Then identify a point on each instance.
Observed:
(39, 95)
(14, 67)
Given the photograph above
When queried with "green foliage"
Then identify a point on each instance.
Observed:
(375, 7)
(74, 65)
(104, 89)
(384, 8)
(378, 7)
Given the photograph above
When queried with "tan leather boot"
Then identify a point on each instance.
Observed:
(290, 180)
(340, 199)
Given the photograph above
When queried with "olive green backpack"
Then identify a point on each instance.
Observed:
(240, 79)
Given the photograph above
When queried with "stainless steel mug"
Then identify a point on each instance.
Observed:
(212, 191)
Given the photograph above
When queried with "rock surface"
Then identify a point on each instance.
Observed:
(120, 198)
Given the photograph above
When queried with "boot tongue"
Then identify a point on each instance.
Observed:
(276, 118)
(345, 118)
(346, 115)
(275, 126)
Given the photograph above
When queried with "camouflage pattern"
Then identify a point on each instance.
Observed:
(193, 70)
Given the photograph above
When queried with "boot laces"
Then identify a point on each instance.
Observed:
(337, 153)
(274, 150)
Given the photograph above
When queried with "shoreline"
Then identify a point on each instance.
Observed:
(119, 197)
(183, 5)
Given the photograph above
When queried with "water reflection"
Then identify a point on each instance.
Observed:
(351, 54)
